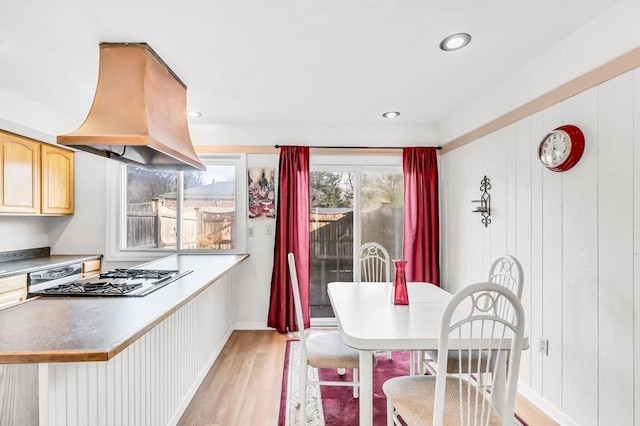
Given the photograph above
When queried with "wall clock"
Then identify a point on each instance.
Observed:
(561, 148)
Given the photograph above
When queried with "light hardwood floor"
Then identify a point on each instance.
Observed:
(243, 386)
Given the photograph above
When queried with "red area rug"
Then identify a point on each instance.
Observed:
(335, 405)
(339, 407)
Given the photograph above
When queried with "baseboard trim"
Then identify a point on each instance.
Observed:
(251, 326)
(262, 326)
(545, 406)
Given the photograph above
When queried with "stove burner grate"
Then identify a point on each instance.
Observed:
(102, 287)
(136, 273)
(116, 282)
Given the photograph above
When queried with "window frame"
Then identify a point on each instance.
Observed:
(349, 163)
(116, 218)
(352, 163)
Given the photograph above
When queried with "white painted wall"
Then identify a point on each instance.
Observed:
(84, 232)
(386, 134)
(608, 36)
(19, 232)
(577, 235)
(252, 287)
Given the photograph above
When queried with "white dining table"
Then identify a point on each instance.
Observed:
(369, 321)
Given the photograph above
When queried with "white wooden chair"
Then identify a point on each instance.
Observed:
(452, 399)
(373, 264)
(322, 349)
(506, 271)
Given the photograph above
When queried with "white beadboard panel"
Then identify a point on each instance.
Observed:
(521, 194)
(458, 211)
(497, 173)
(18, 394)
(580, 270)
(82, 392)
(552, 270)
(470, 231)
(636, 240)
(537, 268)
(577, 236)
(151, 381)
(511, 182)
(615, 243)
(480, 235)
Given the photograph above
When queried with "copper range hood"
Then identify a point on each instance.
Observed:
(139, 113)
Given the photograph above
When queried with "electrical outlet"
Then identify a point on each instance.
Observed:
(268, 230)
(251, 231)
(543, 346)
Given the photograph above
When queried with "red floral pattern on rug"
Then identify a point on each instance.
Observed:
(338, 404)
(340, 408)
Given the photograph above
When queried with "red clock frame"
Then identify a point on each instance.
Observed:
(576, 138)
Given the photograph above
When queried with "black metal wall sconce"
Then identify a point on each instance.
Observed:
(484, 208)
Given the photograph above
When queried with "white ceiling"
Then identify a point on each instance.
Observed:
(279, 62)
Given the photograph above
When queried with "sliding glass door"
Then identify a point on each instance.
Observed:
(350, 205)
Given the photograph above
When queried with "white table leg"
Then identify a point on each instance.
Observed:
(366, 388)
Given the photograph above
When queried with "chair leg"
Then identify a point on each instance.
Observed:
(422, 369)
(388, 354)
(390, 421)
(356, 379)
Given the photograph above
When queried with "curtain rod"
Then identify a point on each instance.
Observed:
(359, 147)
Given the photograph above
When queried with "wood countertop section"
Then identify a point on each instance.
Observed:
(79, 329)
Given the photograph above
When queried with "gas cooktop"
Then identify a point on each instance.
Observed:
(116, 282)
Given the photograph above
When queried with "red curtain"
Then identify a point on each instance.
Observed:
(421, 222)
(292, 236)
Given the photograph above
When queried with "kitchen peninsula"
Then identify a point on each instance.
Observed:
(127, 360)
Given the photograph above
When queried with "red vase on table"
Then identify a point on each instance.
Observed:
(400, 293)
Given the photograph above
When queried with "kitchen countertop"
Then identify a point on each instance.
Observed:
(79, 329)
(24, 266)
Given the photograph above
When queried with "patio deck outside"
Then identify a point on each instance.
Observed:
(332, 247)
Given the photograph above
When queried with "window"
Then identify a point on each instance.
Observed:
(169, 211)
(351, 205)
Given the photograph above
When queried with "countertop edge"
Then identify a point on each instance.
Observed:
(105, 354)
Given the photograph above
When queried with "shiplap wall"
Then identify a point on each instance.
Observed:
(577, 235)
(152, 381)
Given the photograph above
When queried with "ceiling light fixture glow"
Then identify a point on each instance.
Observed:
(455, 41)
(194, 114)
(391, 114)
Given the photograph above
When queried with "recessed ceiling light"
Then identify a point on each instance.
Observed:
(194, 114)
(391, 114)
(455, 41)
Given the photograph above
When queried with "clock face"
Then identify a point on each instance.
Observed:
(555, 148)
(561, 148)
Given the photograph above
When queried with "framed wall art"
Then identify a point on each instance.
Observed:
(262, 189)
